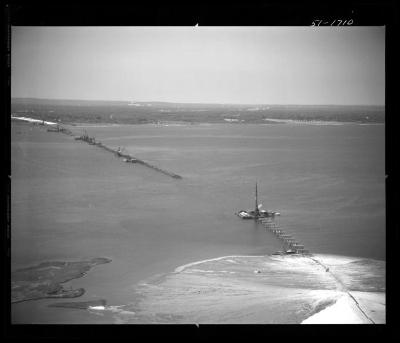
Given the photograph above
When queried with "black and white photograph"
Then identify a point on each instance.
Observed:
(198, 174)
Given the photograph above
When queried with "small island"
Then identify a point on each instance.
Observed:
(44, 280)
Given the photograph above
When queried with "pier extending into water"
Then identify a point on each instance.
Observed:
(130, 159)
(287, 239)
(92, 141)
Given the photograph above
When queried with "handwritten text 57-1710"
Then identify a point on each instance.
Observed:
(334, 22)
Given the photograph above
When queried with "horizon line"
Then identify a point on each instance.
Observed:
(193, 103)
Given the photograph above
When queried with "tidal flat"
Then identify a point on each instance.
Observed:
(260, 290)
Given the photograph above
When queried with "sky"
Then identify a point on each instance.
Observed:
(248, 65)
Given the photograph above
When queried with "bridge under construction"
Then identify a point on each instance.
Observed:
(126, 157)
(289, 242)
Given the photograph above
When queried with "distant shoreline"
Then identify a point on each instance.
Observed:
(269, 121)
(136, 112)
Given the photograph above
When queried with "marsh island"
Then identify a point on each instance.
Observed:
(45, 279)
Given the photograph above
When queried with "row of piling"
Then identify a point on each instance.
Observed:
(59, 128)
(127, 158)
(131, 159)
(290, 243)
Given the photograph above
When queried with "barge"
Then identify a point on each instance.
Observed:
(257, 212)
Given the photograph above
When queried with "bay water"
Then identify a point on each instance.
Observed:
(74, 201)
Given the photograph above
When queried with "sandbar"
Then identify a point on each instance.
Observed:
(45, 279)
(259, 290)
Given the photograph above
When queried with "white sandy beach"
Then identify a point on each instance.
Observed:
(346, 311)
(31, 120)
